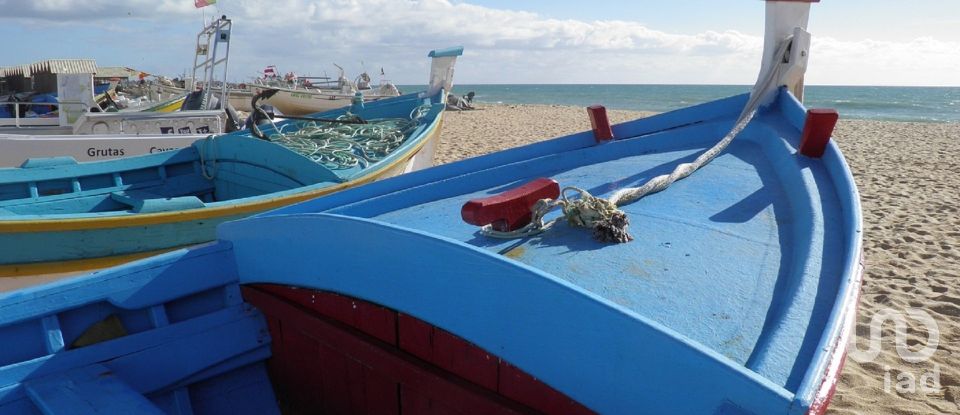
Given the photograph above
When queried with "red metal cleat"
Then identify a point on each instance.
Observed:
(601, 125)
(509, 210)
(817, 130)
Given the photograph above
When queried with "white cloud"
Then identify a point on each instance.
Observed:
(502, 45)
(78, 11)
(920, 61)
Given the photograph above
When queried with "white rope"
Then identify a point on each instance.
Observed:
(608, 222)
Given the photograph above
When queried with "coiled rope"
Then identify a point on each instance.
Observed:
(608, 222)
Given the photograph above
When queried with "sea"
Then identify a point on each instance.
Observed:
(925, 104)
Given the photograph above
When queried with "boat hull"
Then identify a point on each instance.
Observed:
(407, 364)
(734, 297)
(303, 102)
(240, 100)
(56, 246)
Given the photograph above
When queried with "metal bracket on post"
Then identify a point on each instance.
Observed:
(796, 67)
(786, 18)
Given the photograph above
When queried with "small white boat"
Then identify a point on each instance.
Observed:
(309, 101)
(16, 149)
(71, 130)
(297, 96)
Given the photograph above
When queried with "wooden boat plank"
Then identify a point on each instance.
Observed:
(92, 199)
(235, 317)
(121, 287)
(17, 175)
(141, 201)
(92, 389)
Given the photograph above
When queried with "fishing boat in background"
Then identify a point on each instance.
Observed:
(300, 95)
(89, 136)
(461, 289)
(85, 135)
(57, 215)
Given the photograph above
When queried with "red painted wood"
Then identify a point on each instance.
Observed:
(511, 209)
(448, 352)
(525, 389)
(381, 394)
(276, 344)
(335, 386)
(817, 131)
(302, 386)
(341, 347)
(600, 123)
(377, 321)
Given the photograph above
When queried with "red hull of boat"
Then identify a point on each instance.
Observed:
(336, 354)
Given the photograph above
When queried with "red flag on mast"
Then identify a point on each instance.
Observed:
(203, 3)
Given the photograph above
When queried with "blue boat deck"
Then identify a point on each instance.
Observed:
(714, 257)
(730, 300)
(745, 262)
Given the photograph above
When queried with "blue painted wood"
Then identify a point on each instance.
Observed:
(91, 389)
(245, 170)
(752, 258)
(729, 301)
(454, 51)
(153, 339)
(536, 321)
(198, 335)
(54, 336)
(147, 202)
(167, 275)
(48, 161)
(627, 130)
(36, 246)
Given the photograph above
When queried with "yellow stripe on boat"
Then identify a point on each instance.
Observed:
(74, 266)
(171, 106)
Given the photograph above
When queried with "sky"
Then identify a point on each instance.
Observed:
(855, 42)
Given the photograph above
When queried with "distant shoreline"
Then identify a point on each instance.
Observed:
(908, 104)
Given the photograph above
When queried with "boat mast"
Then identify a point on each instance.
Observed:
(785, 19)
(211, 57)
(441, 70)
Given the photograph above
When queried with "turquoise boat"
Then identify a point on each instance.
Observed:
(57, 215)
(481, 287)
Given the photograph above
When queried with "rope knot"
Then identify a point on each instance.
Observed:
(609, 223)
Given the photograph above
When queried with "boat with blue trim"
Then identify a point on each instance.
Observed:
(58, 215)
(732, 291)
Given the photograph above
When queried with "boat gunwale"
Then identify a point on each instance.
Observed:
(831, 339)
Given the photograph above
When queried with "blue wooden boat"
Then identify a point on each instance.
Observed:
(735, 296)
(57, 215)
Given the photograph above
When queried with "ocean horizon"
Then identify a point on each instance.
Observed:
(883, 103)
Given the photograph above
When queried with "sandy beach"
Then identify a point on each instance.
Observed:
(908, 181)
